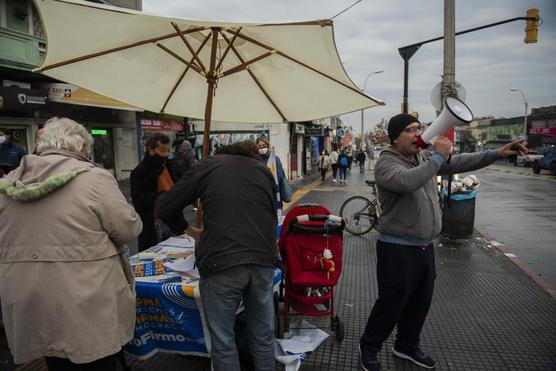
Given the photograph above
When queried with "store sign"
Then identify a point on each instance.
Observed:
(340, 132)
(98, 132)
(314, 130)
(551, 132)
(71, 94)
(13, 98)
(161, 125)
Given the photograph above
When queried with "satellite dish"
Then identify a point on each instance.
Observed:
(436, 97)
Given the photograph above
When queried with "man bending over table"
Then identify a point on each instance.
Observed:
(236, 251)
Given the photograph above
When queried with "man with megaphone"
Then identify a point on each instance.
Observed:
(411, 219)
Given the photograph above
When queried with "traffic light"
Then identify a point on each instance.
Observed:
(532, 26)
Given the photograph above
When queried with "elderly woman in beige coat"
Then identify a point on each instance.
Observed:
(66, 288)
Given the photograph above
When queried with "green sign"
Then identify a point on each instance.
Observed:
(98, 132)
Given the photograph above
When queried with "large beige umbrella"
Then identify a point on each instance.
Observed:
(239, 72)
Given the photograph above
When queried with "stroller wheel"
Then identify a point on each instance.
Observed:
(337, 326)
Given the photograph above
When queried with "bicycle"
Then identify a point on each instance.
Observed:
(360, 213)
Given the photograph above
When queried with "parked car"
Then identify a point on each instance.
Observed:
(546, 162)
(528, 158)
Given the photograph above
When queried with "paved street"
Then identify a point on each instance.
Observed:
(518, 209)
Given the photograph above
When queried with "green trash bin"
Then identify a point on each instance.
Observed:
(458, 219)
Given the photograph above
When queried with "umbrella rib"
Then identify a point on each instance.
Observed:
(255, 79)
(304, 65)
(227, 50)
(189, 47)
(192, 65)
(113, 50)
(246, 65)
(183, 74)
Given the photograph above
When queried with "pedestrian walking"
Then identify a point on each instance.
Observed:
(334, 163)
(349, 154)
(11, 153)
(324, 162)
(343, 164)
(360, 157)
(154, 175)
(275, 165)
(411, 219)
(67, 289)
(236, 252)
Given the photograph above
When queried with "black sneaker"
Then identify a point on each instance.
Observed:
(417, 357)
(369, 361)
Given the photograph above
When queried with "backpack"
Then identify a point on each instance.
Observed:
(343, 161)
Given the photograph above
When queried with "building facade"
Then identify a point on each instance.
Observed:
(27, 99)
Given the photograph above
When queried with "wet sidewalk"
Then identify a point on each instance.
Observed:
(487, 314)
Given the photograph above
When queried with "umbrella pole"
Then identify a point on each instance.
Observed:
(211, 81)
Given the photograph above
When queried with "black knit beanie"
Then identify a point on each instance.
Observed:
(398, 123)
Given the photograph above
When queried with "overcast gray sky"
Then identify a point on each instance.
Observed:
(488, 62)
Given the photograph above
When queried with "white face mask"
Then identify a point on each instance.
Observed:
(263, 151)
(2, 139)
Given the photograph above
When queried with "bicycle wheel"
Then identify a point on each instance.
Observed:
(360, 215)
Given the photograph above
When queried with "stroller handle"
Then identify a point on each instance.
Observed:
(336, 223)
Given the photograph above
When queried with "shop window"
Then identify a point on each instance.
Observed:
(103, 148)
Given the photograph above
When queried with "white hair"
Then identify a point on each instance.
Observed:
(63, 133)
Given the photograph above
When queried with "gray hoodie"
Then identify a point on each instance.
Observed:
(408, 192)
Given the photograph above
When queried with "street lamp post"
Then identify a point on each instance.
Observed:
(526, 105)
(363, 110)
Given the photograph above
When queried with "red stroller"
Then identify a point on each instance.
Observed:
(311, 247)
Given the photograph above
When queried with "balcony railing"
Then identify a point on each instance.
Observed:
(20, 50)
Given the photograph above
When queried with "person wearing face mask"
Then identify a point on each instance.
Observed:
(10, 153)
(264, 151)
(324, 162)
(154, 175)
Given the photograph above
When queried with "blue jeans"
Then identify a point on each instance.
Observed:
(343, 173)
(221, 294)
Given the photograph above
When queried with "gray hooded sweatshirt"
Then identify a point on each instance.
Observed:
(408, 192)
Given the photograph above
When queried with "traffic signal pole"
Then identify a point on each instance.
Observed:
(408, 51)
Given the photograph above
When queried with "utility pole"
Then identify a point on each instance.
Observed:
(406, 52)
(449, 73)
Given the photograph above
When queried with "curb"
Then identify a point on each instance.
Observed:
(551, 290)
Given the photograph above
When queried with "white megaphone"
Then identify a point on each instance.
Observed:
(454, 112)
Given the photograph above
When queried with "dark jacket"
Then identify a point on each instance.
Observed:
(343, 155)
(361, 157)
(10, 156)
(144, 192)
(239, 217)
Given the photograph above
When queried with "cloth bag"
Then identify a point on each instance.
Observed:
(285, 191)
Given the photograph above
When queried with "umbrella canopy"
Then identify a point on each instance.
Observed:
(240, 72)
